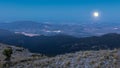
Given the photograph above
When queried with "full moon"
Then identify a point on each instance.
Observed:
(96, 14)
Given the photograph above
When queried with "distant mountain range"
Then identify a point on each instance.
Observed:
(60, 44)
(50, 29)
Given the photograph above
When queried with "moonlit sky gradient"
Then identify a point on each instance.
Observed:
(65, 10)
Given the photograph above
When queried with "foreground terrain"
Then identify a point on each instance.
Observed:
(22, 58)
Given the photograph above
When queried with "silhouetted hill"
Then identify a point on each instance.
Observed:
(5, 33)
(60, 44)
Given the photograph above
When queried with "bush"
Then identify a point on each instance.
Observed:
(7, 52)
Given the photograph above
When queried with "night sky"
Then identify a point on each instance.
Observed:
(61, 10)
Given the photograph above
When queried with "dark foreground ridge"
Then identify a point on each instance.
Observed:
(60, 44)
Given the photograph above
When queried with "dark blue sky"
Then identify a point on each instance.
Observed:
(66, 10)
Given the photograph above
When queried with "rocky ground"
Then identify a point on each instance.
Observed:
(22, 58)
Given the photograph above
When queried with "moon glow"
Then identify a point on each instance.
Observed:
(96, 14)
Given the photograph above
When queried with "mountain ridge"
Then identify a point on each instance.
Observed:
(61, 44)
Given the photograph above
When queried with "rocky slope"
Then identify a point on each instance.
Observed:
(22, 58)
(18, 55)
